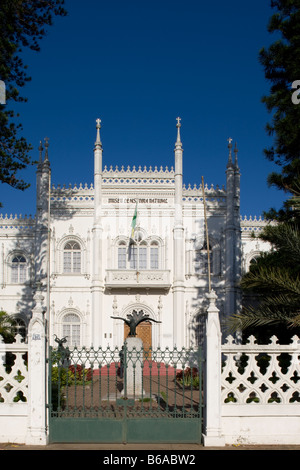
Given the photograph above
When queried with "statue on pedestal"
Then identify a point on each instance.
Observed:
(134, 319)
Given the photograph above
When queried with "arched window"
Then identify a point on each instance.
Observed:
(71, 329)
(122, 249)
(19, 269)
(201, 260)
(72, 257)
(19, 327)
(154, 255)
(139, 254)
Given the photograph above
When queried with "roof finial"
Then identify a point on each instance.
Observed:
(98, 127)
(40, 152)
(230, 154)
(235, 155)
(178, 125)
(46, 139)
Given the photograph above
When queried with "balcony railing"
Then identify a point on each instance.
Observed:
(148, 278)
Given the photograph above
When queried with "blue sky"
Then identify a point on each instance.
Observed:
(138, 65)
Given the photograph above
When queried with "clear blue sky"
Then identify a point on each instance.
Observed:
(138, 65)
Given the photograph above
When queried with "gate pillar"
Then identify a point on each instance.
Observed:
(212, 417)
(37, 430)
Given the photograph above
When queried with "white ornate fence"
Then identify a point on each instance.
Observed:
(23, 384)
(13, 390)
(252, 391)
(260, 392)
(260, 374)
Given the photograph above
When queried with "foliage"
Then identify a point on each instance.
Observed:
(281, 65)
(188, 377)
(22, 25)
(6, 327)
(275, 282)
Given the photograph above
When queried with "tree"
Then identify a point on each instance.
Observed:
(6, 326)
(282, 67)
(274, 280)
(22, 25)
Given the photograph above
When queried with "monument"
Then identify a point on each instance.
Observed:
(133, 356)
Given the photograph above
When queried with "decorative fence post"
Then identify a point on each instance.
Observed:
(212, 415)
(37, 428)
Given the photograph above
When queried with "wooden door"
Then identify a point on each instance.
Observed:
(144, 332)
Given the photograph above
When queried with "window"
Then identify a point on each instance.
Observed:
(18, 269)
(139, 255)
(19, 327)
(72, 257)
(201, 260)
(154, 255)
(122, 255)
(71, 329)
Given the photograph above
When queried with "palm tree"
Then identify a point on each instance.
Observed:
(6, 326)
(274, 279)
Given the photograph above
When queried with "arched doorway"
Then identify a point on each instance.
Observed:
(144, 332)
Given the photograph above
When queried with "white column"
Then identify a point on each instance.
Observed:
(212, 391)
(178, 253)
(37, 390)
(97, 286)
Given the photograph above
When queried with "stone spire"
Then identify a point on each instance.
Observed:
(232, 233)
(98, 143)
(229, 164)
(40, 154)
(178, 246)
(97, 287)
(178, 144)
(46, 159)
(98, 168)
(236, 165)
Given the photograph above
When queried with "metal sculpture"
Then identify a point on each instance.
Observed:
(134, 319)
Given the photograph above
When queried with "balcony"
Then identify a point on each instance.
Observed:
(129, 278)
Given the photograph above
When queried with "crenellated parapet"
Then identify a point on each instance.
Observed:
(16, 222)
(137, 176)
(252, 224)
(212, 193)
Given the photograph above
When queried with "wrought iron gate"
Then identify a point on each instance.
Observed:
(112, 395)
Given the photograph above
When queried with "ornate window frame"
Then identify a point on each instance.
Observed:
(61, 252)
(61, 323)
(215, 258)
(146, 245)
(27, 269)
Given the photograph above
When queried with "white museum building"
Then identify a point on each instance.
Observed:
(135, 239)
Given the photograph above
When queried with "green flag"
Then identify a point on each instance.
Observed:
(133, 222)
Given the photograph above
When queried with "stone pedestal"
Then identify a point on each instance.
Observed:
(133, 359)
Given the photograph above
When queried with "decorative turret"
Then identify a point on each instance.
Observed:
(230, 164)
(98, 171)
(43, 177)
(178, 175)
(232, 232)
(97, 287)
(236, 177)
(178, 244)
(42, 232)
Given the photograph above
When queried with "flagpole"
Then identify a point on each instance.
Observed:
(207, 239)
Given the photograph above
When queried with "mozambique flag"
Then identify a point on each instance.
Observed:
(133, 222)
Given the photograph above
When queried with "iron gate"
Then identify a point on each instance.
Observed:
(112, 395)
